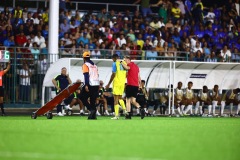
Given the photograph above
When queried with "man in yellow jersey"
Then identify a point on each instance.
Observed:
(118, 78)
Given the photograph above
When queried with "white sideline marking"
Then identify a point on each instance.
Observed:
(35, 155)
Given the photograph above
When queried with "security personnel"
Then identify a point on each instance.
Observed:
(91, 86)
(61, 82)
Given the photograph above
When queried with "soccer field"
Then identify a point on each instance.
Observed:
(153, 138)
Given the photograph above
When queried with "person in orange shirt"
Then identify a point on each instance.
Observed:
(91, 86)
(3, 72)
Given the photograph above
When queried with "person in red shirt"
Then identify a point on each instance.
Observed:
(3, 72)
(21, 39)
(133, 84)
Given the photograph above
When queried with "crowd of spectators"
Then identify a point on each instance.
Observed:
(182, 29)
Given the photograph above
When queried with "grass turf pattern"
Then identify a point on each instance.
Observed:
(153, 138)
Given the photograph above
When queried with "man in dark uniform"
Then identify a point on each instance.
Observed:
(61, 82)
(91, 86)
(3, 72)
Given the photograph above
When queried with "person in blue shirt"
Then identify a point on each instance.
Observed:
(188, 5)
(94, 20)
(91, 45)
(83, 39)
(45, 32)
(151, 54)
(61, 82)
(176, 37)
(215, 37)
(9, 42)
(200, 33)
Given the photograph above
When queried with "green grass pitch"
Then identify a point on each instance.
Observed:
(154, 138)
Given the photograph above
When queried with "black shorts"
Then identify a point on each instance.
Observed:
(1, 91)
(131, 91)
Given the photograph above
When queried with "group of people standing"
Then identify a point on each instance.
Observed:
(121, 70)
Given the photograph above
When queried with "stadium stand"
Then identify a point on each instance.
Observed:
(179, 30)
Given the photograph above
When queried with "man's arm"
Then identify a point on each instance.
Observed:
(69, 80)
(125, 66)
(110, 81)
(114, 70)
(137, 1)
(8, 67)
(55, 84)
(157, 4)
(139, 81)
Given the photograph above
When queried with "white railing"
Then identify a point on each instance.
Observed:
(77, 3)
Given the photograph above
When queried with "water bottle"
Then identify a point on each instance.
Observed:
(226, 58)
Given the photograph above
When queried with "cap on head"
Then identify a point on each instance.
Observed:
(86, 54)
(115, 55)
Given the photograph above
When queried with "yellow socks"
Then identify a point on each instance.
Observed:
(122, 104)
(116, 108)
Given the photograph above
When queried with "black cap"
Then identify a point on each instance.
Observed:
(115, 55)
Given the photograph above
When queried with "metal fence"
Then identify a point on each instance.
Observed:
(19, 93)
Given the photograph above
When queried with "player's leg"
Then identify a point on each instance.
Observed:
(189, 107)
(80, 106)
(59, 108)
(155, 106)
(104, 101)
(83, 96)
(136, 104)
(116, 93)
(209, 109)
(116, 106)
(223, 104)
(197, 107)
(1, 100)
(128, 102)
(231, 109)
(238, 109)
(121, 102)
(178, 106)
(1, 106)
(93, 94)
(214, 104)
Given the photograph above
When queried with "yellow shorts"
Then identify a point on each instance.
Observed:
(118, 89)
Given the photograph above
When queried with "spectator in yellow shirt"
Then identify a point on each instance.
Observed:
(176, 12)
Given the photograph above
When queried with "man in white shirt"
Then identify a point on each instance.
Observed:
(237, 7)
(121, 40)
(39, 39)
(41, 66)
(225, 54)
(210, 16)
(96, 54)
(197, 47)
(25, 89)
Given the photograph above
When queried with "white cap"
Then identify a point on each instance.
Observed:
(126, 18)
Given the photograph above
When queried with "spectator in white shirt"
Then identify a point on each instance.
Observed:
(210, 16)
(121, 40)
(161, 23)
(95, 54)
(197, 47)
(225, 54)
(25, 87)
(39, 39)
